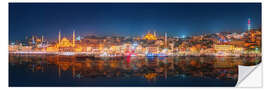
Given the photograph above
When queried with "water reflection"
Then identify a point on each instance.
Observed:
(141, 71)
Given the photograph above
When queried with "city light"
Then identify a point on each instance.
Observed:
(150, 45)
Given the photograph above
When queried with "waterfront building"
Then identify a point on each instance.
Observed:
(26, 48)
(13, 48)
(223, 48)
(153, 49)
(52, 49)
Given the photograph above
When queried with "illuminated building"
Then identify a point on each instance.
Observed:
(34, 40)
(253, 42)
(13, 48)
(153, 50)
(195, 48)
(26, 48)
(52, 49)
(228, 49)
(64, 45)
(150, 36)
(223, 47)
(239, 43)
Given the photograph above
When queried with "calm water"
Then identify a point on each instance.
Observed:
(54, 70)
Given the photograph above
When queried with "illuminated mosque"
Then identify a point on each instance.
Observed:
(65, 45)
(150, 36)
(64, 42)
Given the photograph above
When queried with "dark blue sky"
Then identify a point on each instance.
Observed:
(26, 19)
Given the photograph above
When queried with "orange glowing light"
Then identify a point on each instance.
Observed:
(150, 36)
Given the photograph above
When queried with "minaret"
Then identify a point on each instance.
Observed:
(33, 40)
(165, 39)
(249, 26)
(59, 37)
(42, 38)
(73, 39)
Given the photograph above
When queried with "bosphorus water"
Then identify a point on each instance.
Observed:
(57, 70)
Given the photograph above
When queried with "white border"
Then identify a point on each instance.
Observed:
(4, 41)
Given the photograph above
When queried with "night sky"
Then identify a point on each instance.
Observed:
(133, 19)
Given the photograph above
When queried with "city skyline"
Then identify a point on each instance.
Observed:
(130, 19)
(132, 44)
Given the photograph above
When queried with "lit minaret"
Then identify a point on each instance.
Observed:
(155, 33)
(249, 26)
(42, 39)
(33, 40)
(73, 39)
(165, 39)
(59, 37)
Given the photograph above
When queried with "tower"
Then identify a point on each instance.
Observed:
(155, 34)
(42, 38)
(59, 37)
(165, 39)
(73, 39)
(33, 40)
(249, 26)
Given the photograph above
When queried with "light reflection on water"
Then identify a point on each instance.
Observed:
(55, 70)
